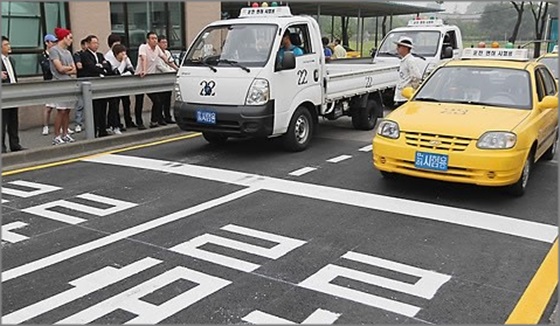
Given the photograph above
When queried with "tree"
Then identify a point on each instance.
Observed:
(539, 16)
(519, 8)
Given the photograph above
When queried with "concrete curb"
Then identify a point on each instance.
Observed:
(45, 155)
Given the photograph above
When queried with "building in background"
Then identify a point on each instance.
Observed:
(25, 23)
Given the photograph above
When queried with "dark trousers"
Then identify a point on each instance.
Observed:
(113, 117)
(138, 107)
(10, 123)
(100, 116)
(156, 107)
(166, 105)
(126, 110)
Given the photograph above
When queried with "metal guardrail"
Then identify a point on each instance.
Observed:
(37, 93)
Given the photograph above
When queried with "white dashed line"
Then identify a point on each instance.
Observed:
(302, 171)
(367, 148)
(339, 158)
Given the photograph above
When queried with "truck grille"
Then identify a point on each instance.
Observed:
(433, 141)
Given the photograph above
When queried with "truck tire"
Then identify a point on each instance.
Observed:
(299, 132)
(215, 137)
(366, 118)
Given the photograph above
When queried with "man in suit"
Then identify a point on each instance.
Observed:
(95, 65)
(10, 121)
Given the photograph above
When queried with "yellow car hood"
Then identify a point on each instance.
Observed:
(460, 120)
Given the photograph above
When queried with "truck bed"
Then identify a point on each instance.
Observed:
(348, 80)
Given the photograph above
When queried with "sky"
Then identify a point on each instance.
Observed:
(461, 6)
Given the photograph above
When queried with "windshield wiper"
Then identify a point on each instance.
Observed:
(418, 56)
(234, 63)
(389, 53)
(471, 102)
(203, 62)
(427, 99)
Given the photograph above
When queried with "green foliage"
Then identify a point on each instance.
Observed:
(498, 20)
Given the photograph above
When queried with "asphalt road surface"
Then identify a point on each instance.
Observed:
(186, 232)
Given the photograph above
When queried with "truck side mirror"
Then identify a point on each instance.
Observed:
(447, 53)
(288, 62)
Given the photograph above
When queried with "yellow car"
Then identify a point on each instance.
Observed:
(551, 61)
(483, 120)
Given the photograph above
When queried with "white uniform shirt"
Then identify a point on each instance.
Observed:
(339, 52)
(115, 64)
(409, 75)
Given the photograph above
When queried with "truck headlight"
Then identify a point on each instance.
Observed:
(259, 92)
(497, 140)
(177, 90)
(389, 129)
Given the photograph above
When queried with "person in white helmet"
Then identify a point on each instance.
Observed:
(409, 71)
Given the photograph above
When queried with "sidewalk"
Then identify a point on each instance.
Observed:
(41, 151)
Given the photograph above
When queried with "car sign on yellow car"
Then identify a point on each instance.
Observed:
(483, 120)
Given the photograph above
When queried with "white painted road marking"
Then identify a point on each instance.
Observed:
(339, 158)
(191, 247)
(426, 287)
(95, 244)
(40, 189)
(44, 209)
(464, 217)
(12, 237)
(318, 317)
(302, 171)
(367, 148)
(5, 201)
(147, 313)
(82, 286)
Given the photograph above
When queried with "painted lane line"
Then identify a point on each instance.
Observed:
(44, 209)
(5, 201)
(302, 171)
(318, 317)
(40, 189)
(459, 216)
(82, 286)
(191, 247)
(95, 244)
(532, 304)
(12, 237)
(148, 313)
(339, 158)
(367, 148)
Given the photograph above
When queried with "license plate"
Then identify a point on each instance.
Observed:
(206, 117)
(431, 161)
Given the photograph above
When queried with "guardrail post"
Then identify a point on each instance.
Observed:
(88, 110)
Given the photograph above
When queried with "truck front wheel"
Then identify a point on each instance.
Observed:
(299, 131)
(366, 118)
(215, 137)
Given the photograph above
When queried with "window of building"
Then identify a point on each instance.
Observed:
(133, 20)
(25, 24)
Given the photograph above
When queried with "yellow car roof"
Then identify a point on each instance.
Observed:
(548, 55)
(521, 65)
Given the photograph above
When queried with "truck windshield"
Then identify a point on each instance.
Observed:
(503, 87)
(426, 43)
(245, 44)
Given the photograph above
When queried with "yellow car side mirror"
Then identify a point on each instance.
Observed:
(407, 92)
(548, 102)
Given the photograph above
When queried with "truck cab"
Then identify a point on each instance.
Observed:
(434, 42)
(234, 81)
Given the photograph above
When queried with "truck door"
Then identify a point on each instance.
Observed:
(291, 87)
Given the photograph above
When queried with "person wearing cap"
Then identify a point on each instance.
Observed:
(44, 61)
(409, 72)
(62, 68)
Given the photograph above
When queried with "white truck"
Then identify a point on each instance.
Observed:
(231, 82)
(434, 43)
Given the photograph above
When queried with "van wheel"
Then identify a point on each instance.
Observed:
(366, 118)
(215, 137)
(551, 151)
(518, 189)
(299, 131)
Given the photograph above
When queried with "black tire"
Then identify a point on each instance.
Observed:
(551, 151)
(299, 132)
(518, 189)
(215, 137)
(366, 118)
